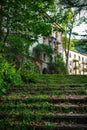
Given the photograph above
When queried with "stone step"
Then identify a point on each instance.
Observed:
(53, 85)
(48, 85)
(69, 98)
(65, 77)
(51, 117)
(60, 127)
(38, 88)
(75, 118)
(60, 108)
(41, 126)
(44, 98)
(51, 92)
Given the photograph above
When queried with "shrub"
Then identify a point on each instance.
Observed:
(29, 72)
(9, 76)
(58, 67)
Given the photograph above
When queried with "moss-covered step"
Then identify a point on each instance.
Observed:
(70, 99)
(55, 108)
(31, 116)
(50, 93)
(41, 126)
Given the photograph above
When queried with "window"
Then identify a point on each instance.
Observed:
(79, 57)
(70, 62)
(79, 71)
(74, 55)
(82, 58)
(70, 69)
(79, 64)
(44, 57)
(56, 35)
(70, 55)
(44, 39)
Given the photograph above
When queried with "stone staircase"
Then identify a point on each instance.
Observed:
(55, 102)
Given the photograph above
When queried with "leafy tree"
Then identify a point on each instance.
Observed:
(81, 4)
(68, 16)
(23, 17)
(20, 24)
(21, 21)
(17, 49)
(81, 45)
(68, 23)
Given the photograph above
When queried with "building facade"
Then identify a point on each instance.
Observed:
(77, 63)
(53, 40)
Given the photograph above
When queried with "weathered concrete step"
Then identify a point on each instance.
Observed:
(38, 126)
(73, 85)
(43, 105)
(47, 85)
(69, 98)
(65, 77)
(75, 118)
(60, 108)
(44, 98)
(24, 99)
(41, 126)
(70, 108)
(46, 88)
(60, 127)
(51, 117)
(51, 92)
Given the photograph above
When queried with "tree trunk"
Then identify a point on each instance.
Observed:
(67, 52)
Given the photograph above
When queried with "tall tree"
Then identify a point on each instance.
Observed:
(20, 24)
(67, 13)
(23, 17)
(67, 19)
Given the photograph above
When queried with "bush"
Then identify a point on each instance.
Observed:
(8, 75)
(58, 67)
(29, 72)
(30, 76)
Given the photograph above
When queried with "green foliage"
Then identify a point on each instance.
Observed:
(58, 67)
(20, 24)
(1, 46)
(16, 49)
(65, 43)
(74, 3)
(22, 16)
(43, 48)
(8, 75)
(62, 69)
(42, 28)
(29, 72)
(81, 45)
(17, 43)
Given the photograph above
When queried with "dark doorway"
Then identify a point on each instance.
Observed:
(45, 71)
